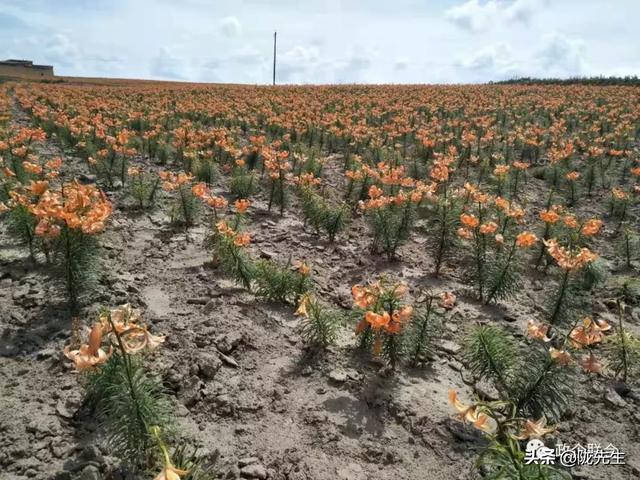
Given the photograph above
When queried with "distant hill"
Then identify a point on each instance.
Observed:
(601, 80)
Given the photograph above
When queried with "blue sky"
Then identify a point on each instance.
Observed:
(325, 41)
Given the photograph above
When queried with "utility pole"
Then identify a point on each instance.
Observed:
(275, 39)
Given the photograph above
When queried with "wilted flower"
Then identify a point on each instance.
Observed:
(538, 330)
(122, 318)
(447, 300)
(501, 170)
(533, 429)
(136, 339)
(560, 356)
(618, 193)
(400, 289)
(125, 320)
(303, 268)
(470, 413)
(589, 333)
(90, 355)
(590, 364)
(303, 305)
(402, 315)
(465, 233)
(169, 471)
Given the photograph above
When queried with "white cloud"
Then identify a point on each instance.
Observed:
(231, 26)
(472, 15)
(247, 62)
(523, 10)
(494, 62)
(401, 63)
(60, 50)
(557, 56)
(168, 66)
(11, 22)
(318, 42)
(475, 16)
(298, 64)
(309, 64)
(561, 56)
(354, 68)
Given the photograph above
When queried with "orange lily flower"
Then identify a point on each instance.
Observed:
(242, 205)
(375, 192)
(200, 190)
(377, 321)
(591, 227)
(38, 188)
(217, 202)
(549, 216)
(526, 239)
(488, 228)
(469, 221)
(242, 240)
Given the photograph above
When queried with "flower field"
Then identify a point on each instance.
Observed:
(310, 282)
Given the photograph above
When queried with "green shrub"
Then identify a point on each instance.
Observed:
(276, 283)
(319, 324)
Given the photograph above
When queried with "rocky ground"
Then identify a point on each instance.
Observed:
(242, 386)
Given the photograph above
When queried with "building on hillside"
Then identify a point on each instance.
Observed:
(25, 69)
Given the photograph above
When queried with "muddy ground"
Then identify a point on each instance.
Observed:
(236, 368)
